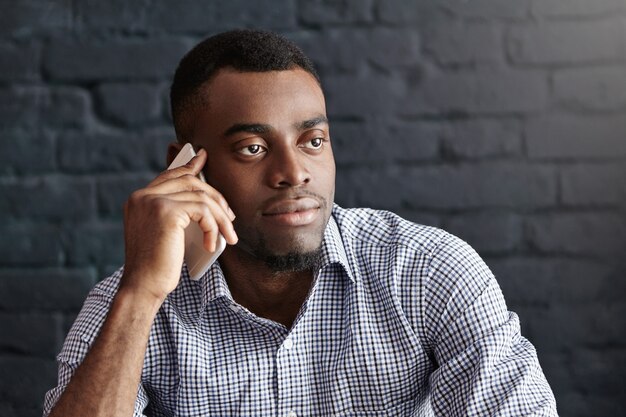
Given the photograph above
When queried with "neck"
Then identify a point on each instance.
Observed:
(277, 296)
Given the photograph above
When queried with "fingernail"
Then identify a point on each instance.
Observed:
(232, 214)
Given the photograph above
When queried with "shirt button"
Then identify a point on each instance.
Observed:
(288, 344)
(292, 413)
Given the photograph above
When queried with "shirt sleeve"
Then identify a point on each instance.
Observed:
(484, 366)
(81, 336)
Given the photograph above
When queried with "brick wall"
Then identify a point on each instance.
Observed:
(500, 121)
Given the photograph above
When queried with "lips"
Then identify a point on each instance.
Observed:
(291, 206)
(297, 212)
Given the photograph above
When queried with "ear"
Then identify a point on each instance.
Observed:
(172, 150)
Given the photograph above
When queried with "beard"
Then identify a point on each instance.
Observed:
(295, 252)
(288, 254)
(295, 260)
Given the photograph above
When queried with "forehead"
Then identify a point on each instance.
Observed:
(273, 97)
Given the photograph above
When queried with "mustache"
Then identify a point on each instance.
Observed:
(294, 195)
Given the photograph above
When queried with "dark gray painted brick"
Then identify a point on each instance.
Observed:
(324, 12)
(35, 106)
(19, 411)
(18, 107)
(403, 11)
(30, 245)
(578, 403)
(26, 152)
(576, 8)
(45, 289)
(36, 334)
(51, 198)
(544, 281)
(65, 107)
(96, 244)
(571, 137)
(596, 373)
(361, 96)
(584, 234)
(106, 153)
(20, 61)
(25, 380)
(114, 14)
(456, 43)
(488, 8)
(486, 92)
(26, 18)
(356, 142)
(354, 47)
(594, 184)
(202, 16)
(466, 186)
(186, 16)
(483, 138)
(595, 89)
(129, 104)
(567, 42)
(487, 232)
(113, 191)
(8, 410)
(86, 59)
(583, 325)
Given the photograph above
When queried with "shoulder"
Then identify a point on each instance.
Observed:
(425, 269)
(381, 228)
(439, 252)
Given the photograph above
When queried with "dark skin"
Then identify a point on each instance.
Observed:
(273, 148)
(268, 161)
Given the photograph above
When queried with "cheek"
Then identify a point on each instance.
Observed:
(327, 175)
(240, 193)
(230, 188)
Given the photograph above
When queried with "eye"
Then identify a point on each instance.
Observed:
(251, 150)
(315, 143)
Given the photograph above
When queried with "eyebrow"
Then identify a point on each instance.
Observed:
(266, 128)
(247, 127)
(308, 124)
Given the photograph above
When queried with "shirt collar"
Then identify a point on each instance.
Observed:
(333, 249)
(333, 252)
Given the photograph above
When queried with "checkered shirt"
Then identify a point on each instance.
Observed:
(402, 320)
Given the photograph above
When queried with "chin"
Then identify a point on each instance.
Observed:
(291, 245)
(294, 261)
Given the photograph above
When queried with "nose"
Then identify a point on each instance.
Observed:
(288, 169)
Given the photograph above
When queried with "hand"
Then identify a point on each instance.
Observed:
(155, 219)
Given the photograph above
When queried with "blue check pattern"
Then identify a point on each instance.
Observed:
(402, 320)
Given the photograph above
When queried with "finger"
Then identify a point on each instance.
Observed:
(190, 183)
(224, 224)
(193, 167)
(207, 213)
(214, 199)
(210, 223)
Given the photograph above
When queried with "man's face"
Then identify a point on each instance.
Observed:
(267, 139)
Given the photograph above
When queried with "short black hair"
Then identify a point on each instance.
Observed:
(243, 50)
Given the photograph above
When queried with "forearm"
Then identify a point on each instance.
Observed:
(107, 380)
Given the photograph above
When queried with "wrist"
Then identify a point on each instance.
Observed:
(140, 298)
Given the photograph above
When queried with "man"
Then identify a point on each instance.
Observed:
(312, 310)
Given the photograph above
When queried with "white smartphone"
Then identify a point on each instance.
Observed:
(198, 259)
